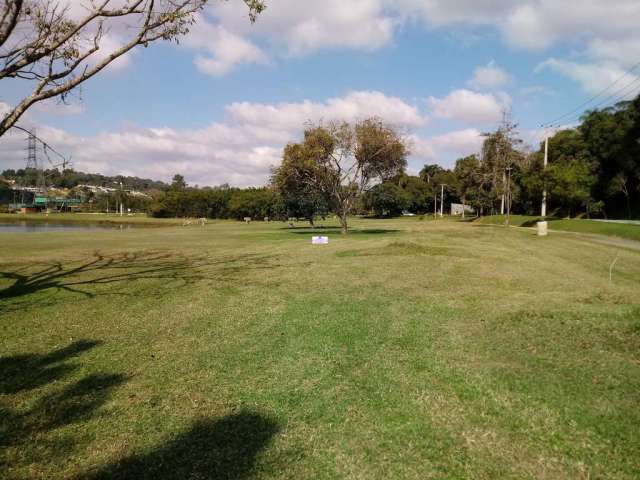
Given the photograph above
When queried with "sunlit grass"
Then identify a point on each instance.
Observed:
(409, 349)
(622, 230)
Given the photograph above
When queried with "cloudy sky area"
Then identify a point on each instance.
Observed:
(219, 107)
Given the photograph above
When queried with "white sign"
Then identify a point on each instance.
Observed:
(319, 240)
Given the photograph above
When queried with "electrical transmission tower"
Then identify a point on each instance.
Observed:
(32, 161)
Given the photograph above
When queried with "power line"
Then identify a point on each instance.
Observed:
(46, 147)
(619, 95)
(625, 89)
(599, 94)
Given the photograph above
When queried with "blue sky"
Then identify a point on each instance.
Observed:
(219, 107)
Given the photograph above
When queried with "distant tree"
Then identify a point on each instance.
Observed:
(429, 171)
(70, 178)
(499, 156)
(620, 184)
(300, 198)
(256, 203)
(612, 139)
(571, 183)
(53, 50)
(417, 192)
(340, 161)
(470, 185)
(178, 183)
(570, 175)
(5, 193)
(386, 199)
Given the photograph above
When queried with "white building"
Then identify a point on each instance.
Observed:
(459, 209)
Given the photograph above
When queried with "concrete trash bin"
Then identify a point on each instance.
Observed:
(542, 229)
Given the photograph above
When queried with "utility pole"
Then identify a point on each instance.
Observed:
(508, 195)
(121, 200)
(435, 204)
(502, 196)
(543, 213)
(442, 185)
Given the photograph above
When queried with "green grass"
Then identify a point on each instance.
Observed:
(97, 218)
(407, 350)
(622, 230)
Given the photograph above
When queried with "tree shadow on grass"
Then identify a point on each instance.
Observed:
(226, 448)
(533, 223)
(85, 277)
(26, 423)
(29, 371)
(33, 428)
(99, 269)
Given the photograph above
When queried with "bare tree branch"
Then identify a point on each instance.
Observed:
(9, 19)
(41, 42)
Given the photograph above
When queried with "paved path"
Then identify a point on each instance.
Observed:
(628, 222)
(602, 239)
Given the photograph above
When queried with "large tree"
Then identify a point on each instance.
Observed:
(612, 139)
(386, 199)
(300, 199)
(499, 155)
(340, 161)
(469, 181)
(55, 45)
(429, 171)
(419, 194)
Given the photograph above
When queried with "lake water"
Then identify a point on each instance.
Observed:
(24, 226)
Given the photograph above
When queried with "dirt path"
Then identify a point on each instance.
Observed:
(601, 239)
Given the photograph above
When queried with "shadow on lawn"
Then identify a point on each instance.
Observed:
(105, 269)
(101, 270)
(32, 428)
(26, 428)
(29, 371)
(211, 449)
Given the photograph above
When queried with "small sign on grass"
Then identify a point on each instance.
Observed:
(319, 240)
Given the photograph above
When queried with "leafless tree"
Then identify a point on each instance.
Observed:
(55, 45)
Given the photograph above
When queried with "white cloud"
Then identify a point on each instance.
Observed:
(446, 12)
(447, 147)
(286, 26)
(56, 107)
(469, 107)
(533, 24)
(592, 77)
(308, 26)
(625, 52)
(224, 38)
(223, 49)
(238, 151)
(489, 76)
(353, 106)
(537, 25)
(537, 91)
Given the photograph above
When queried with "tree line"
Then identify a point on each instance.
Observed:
(344, 169)
(593, 170)
(70, 178)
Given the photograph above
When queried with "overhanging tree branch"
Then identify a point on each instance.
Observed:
(57, 51)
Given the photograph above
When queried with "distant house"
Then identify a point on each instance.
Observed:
(459, 209)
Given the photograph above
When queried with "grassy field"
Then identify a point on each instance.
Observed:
(94, 218)
(407, 349)
(621, 230)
